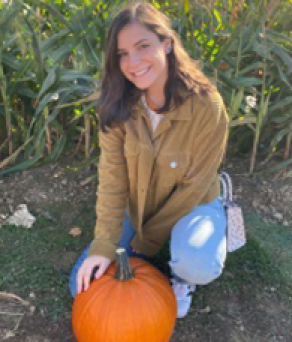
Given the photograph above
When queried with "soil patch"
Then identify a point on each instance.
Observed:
(61, 192)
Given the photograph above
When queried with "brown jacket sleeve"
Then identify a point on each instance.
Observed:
(112, 193)
(208, 151)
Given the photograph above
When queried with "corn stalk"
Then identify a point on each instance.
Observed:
(7, 109)
(52, 48)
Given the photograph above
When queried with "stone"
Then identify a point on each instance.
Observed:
(279, 216)
(264, 208)
(255, 203)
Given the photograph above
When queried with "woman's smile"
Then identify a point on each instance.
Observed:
(141, 72)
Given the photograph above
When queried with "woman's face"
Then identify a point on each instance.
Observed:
(142, 57)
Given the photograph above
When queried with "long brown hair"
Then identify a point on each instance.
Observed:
(119, 95)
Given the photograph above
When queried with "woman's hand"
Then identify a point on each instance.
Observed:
(86, 269)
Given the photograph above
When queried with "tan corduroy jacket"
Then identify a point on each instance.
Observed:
(158, 177)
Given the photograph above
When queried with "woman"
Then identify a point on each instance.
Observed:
(163, 132)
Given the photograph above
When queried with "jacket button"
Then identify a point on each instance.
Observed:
(173, 165)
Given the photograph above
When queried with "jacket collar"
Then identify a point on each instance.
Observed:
(177, 114)
(182, 113)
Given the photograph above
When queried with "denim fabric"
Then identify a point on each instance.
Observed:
(197, 245)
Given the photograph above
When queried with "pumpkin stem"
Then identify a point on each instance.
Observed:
(124, 271)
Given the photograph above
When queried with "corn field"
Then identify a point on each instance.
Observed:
(52, 55)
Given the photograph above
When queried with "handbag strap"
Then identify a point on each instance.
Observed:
(226, 185)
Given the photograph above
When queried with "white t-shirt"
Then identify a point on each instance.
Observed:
(154, 117)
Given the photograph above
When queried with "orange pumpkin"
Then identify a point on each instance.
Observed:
(131, 302)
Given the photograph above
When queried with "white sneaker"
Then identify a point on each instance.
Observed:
(183, 294)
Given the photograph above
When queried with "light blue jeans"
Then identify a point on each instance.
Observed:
(198, 245)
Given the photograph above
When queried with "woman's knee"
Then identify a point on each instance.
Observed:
(198, 272)
(196, 263)
(198, 244)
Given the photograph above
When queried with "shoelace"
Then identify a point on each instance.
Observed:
(180, 289)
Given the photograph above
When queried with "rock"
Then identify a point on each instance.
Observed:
(264, 208)
(43, 195)
(278, 216)
(32, 309)
(255, 203)
(22, 217)
(45, 214)
(206, 310)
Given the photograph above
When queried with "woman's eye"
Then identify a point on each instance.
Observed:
(144, 46)
(121, 54)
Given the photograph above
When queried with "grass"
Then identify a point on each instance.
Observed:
(31, 261)
(276, 241)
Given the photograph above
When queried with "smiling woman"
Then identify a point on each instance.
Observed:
(141, 37)
(157, 173)
(143, 60)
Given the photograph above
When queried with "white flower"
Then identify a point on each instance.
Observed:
(55, 97)
(251, 101)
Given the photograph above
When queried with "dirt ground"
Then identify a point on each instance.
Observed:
(240, 317)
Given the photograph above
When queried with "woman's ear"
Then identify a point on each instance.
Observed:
(168, 45)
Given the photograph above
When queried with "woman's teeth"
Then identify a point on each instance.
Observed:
(141, 72)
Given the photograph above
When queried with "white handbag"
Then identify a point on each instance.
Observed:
(236, 236)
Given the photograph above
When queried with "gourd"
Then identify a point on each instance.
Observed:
(132, 302)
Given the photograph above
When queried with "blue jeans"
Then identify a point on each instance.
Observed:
(198, 245)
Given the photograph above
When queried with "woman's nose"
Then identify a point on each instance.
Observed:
(134, 59)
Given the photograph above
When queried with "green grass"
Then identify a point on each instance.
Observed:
(31, 261)
(276, 241)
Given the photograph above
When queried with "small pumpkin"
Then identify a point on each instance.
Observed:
(132, 302)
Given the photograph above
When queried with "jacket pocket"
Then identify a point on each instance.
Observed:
(171, 168)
